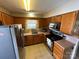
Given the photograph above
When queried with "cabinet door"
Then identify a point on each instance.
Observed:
(7, 20)
(10, 19)
(67, 22)
(4, 18)
(38, 38)
(0, 17)
(28, 40)
(52, 19)
(58, 51)
(43, 23)
(58, 19)
(35, 39)
(42, 37)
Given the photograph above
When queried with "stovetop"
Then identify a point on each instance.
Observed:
(55, 35)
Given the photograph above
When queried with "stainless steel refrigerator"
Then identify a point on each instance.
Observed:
(19, 34)
(8, 45)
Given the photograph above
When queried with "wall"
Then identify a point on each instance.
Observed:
(72, 39)
(73, 5)
(22, 20)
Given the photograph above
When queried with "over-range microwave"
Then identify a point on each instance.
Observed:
(54, 25)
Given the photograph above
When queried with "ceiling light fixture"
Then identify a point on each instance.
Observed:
(31, 14)
(27, 5)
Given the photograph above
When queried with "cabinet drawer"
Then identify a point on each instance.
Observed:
(57, 46)
(56, 56)
(57, 53)
(29, 37)
(62, 49)
(28, 40)
(58, 50)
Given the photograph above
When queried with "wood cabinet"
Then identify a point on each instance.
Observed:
(54, 19)
(67, 22)
(58, 18)
(20, 20)
(58, 51)
(7, 20)
(28, 40)
(62, 49)
(40, 38)
(0, 17)
(42, 23)
(34, 39)
(10, 19)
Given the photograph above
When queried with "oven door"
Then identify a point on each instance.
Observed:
(49, 43)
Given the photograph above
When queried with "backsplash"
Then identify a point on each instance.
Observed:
(72, 39)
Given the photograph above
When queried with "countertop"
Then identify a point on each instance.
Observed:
(64, 43)
(45, 33)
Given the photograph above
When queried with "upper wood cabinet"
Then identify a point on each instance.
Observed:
(52, 19)
(0, 16)
(42, 23)
(57, 19)
(67, 22)
(7, 20)
(10, 19)
(4, 18)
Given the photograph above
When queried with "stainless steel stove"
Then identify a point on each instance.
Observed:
(54, 36)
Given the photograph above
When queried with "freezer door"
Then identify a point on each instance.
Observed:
(7, 50)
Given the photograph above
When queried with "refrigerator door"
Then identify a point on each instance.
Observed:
(7, 50)
(16, 48)
(19, 34)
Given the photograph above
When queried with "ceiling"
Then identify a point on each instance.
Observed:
(39, 6)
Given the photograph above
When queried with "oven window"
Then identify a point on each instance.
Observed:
(49, 43)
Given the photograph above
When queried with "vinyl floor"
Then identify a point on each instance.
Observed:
(38, 51)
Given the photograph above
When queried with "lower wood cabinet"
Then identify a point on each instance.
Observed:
(28, 40)
(62, 49)
(34, 39)
(58, 51)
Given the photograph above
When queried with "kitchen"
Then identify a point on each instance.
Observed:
(42, 29)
